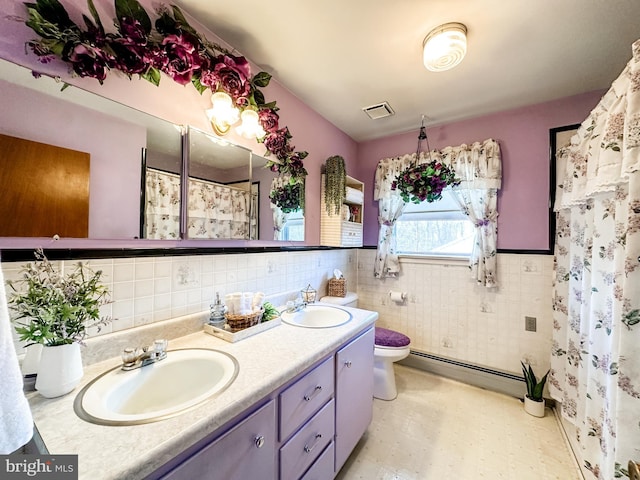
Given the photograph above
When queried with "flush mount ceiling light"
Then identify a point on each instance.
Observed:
(445, 47)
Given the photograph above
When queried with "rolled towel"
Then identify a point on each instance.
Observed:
(247, 298)
(234, 303)
(258, 300)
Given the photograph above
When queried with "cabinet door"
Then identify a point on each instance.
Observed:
(354, 394)
(247, 451)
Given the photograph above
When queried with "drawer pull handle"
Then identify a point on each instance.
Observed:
(317, 438)
(316, 391)
(259, 441)
(348, 364)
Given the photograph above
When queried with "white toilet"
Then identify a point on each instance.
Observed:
(390, 347)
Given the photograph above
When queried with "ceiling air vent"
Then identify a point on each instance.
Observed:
(379, 110)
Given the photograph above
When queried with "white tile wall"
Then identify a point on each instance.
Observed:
(146, 290)
(446, 314)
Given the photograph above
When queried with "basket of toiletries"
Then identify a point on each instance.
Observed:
(242, 321)
(245, 314)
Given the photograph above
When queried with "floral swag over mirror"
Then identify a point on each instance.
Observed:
(169, 45)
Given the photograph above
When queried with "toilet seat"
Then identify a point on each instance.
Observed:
(390, 347)
(386, 338)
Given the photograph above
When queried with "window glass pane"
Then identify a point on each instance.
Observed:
(449, 237)
(293, 229)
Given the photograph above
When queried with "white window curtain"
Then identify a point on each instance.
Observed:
(595, 361)
(390, 206)
(162, 209)
(480, 170)
(218, 211)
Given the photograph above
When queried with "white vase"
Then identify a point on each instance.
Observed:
(533, 407)
(60, 370)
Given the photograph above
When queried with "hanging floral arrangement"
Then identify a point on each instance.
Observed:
(335, 182)
(424, 182)
(138, 46)
(289, 197)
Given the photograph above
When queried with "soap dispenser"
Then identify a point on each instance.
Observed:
(218, 309)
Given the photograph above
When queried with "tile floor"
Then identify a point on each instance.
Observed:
(440, 429)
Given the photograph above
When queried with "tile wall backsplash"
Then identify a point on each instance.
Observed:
(152, 289)
(446, 314)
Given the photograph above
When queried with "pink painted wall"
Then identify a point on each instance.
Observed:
(114, 146)
(183, 105)
(523, 135)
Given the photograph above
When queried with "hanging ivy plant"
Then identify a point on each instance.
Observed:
(335, 183)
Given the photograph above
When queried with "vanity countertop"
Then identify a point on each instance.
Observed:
(266, 362)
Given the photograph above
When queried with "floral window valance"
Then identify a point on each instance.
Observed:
(479, 168)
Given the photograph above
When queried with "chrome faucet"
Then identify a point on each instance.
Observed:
(133, 358)
(296, 305)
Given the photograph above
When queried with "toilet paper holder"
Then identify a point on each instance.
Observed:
(398, 297)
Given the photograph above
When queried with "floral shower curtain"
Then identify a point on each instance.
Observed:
(479, 168)
(595, 362)
(218, 211)
(162, 209)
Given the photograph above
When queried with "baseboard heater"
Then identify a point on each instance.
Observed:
(496, 380)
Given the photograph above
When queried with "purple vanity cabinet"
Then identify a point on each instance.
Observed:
(247, 451)
(354, 394)
(306, 431)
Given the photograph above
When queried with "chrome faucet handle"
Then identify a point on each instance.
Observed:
(129, 356)
(160, 346)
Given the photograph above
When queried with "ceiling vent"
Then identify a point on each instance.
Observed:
(379, 110)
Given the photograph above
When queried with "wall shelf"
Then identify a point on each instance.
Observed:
(344, 229)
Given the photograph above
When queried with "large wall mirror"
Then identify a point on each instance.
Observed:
(118, 140)
(115, 137)
(221, 201)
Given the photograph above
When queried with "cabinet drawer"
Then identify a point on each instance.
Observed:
(246, 451)
(322, 469)
(307, 444)
(302, 399)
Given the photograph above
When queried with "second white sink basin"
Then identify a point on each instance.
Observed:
(317, 316)
(158, 391)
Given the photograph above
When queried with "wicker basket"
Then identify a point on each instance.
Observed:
(337, 287)
(240, 322)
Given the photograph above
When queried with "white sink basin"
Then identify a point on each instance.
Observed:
(317, 316)
(158, 391)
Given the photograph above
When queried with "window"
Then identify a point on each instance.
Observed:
(436, 229)
(293, 229)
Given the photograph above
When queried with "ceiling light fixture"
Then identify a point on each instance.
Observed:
(445, 47)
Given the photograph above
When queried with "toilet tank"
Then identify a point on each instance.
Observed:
(349, 300)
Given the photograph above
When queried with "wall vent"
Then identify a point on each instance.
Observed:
(379, 110)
